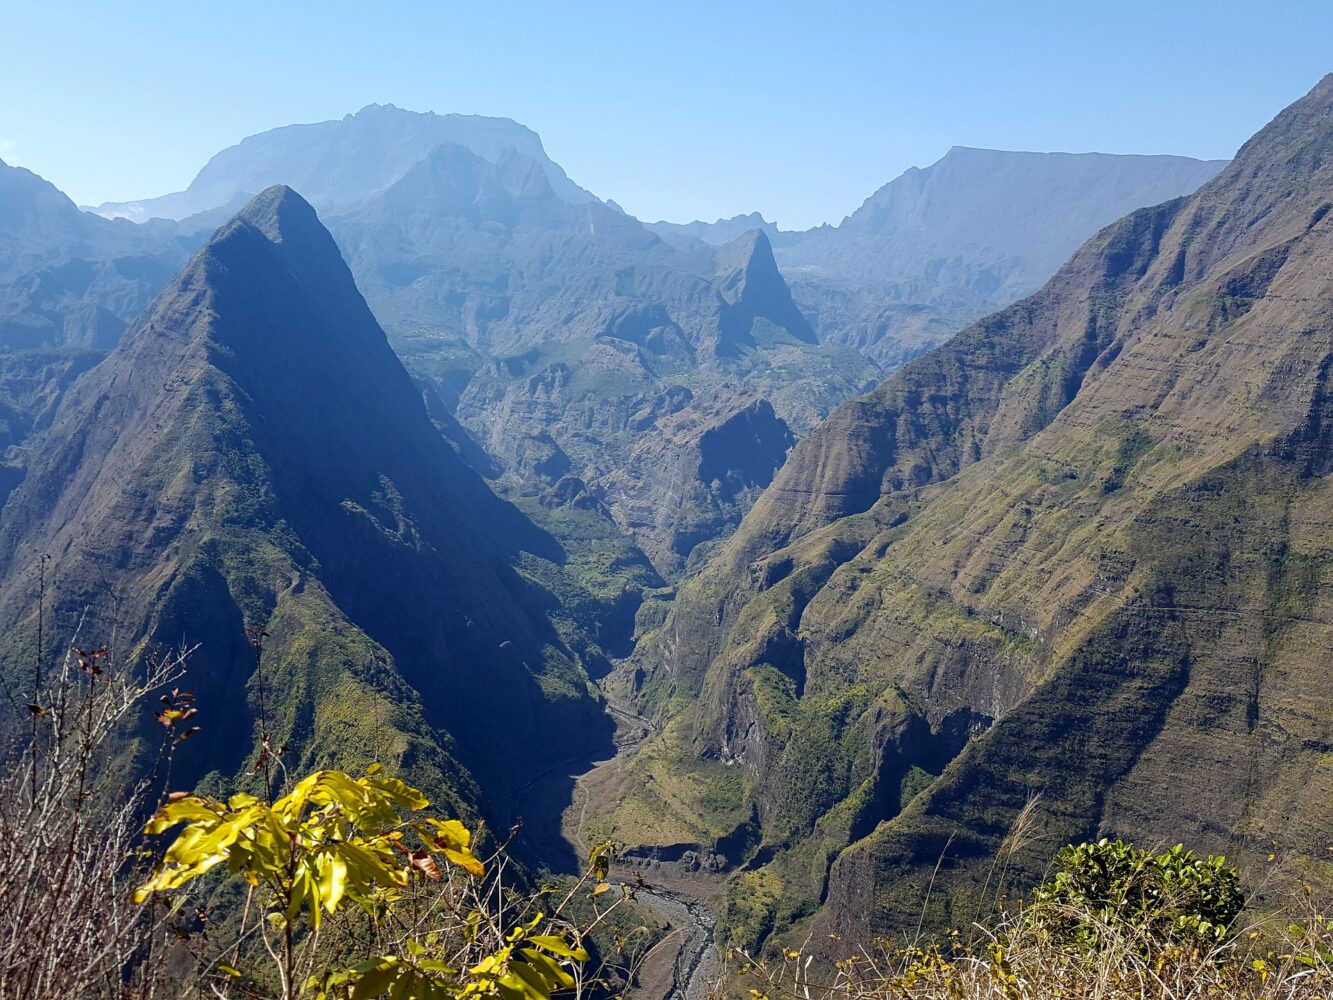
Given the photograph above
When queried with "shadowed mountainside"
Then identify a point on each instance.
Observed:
(254, 454)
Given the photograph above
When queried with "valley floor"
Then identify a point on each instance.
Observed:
(684, 964)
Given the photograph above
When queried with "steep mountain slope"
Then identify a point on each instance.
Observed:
(936, 248)
(1082, 553)
(253, 453)
(341, 162)
(69, 279)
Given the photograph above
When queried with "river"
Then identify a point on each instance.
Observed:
(683, 965)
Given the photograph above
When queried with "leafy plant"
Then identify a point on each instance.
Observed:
(339, 846)
(1171, 898)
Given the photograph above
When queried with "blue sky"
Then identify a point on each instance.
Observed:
(677, 110)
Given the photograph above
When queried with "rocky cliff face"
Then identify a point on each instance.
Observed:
(1082, 551)
(690, 480)
(253, 453)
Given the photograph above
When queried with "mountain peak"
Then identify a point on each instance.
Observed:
(277, 212)
(26, 198)
(290, 227)
(750, 252)
(253, 450)
(755, 219)
(1303, 130)
(336, 164)
(374, 108)
(751, 286)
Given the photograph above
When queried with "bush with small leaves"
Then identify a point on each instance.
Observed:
(1166, 899)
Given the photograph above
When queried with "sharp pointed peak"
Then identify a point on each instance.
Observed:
(750, 248)
(278, 211)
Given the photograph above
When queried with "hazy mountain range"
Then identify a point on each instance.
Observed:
(938, 247)
(880, 544)
(341, 162)
(549, 322)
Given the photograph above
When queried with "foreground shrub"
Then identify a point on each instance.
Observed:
(335, 843)
(335, 888)
(1113, 923)
(1167, 899)
(1013, 960)
(67, 853)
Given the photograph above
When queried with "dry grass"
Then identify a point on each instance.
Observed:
(67, 856)
(1015, 958)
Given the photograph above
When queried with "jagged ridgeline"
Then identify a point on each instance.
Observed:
(1083, 551)
(253, 453)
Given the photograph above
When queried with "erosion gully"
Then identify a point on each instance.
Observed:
(684, 964)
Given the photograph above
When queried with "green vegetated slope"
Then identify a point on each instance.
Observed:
(1082, 552)
(254, 454)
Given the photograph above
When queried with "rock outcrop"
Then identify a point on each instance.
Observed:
(689, 481)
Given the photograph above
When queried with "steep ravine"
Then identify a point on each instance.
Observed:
(684, 964)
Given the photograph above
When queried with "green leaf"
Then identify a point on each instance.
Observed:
(375, 979)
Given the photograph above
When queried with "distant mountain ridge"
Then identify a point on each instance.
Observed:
(343, 161)
(924, 255)
(719, 232)
(939, 246)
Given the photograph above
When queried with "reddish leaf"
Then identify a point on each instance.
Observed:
(424, 863)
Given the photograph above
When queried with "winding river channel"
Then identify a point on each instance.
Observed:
(684, 964)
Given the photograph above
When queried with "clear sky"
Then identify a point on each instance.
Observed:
(677, 110)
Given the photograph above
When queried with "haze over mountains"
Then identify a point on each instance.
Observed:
(880, 544)
(555, 325)
(940, 246)
(341, 162)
